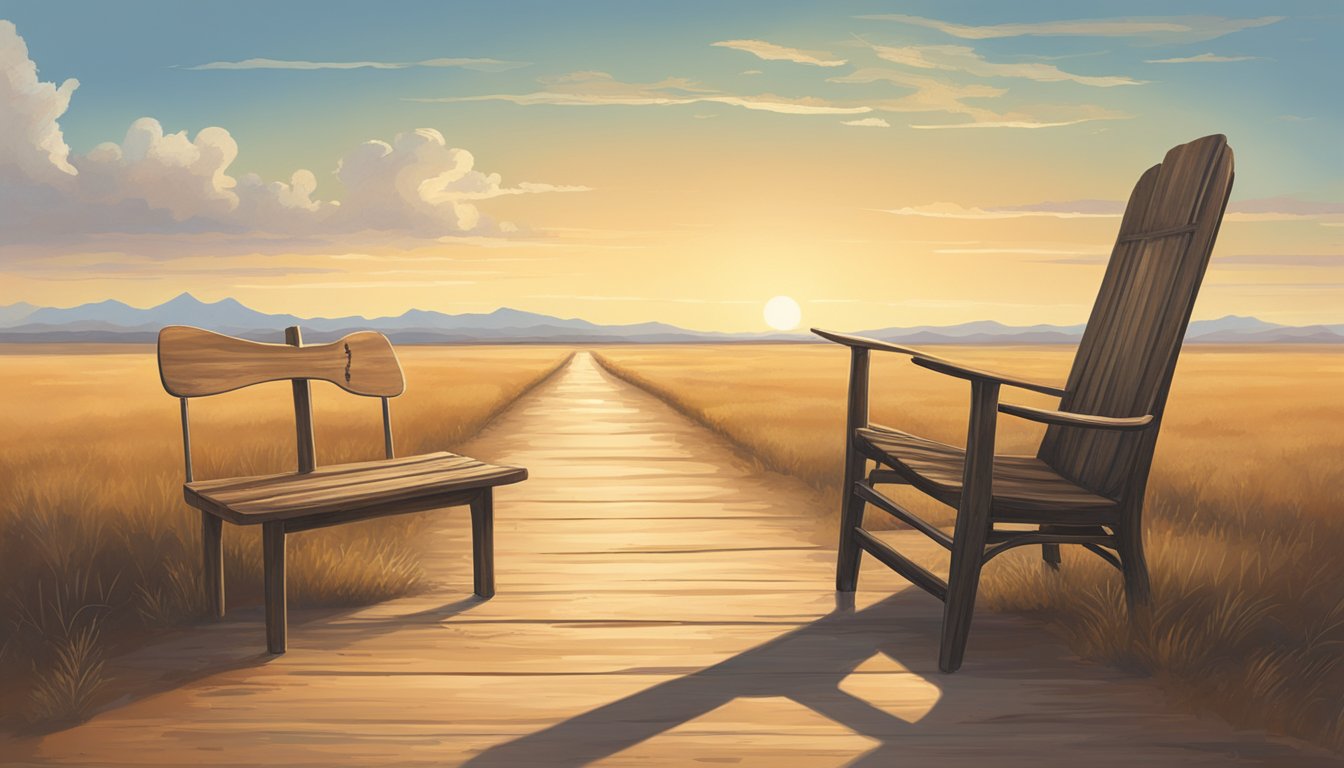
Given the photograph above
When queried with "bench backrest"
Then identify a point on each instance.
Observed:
(1128, 352)
(196, 363)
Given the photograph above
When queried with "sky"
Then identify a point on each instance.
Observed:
(883, 163)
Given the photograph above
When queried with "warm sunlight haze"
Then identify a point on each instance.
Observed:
(783, 383)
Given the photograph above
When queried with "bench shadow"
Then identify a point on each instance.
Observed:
(806, 665)
(193, 652)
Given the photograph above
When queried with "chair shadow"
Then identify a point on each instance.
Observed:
(806, 665)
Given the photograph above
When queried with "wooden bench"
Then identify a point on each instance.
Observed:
(198, 363)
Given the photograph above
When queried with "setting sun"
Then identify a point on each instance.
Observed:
(782, 313)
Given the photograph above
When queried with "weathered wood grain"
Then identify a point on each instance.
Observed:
(195, 362)
(1092, 465)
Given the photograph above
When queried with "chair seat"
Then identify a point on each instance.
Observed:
(1026, 489)
(401, 484)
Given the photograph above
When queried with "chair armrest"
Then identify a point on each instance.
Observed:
(967, 372)
(863, 342)
(1068, 419)
(935, 363)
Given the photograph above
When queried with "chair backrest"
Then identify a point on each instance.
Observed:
(1128, 352)
(196, 363)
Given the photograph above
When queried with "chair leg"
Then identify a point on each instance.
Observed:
(962, 583)
(212, 547)
(972, 529)
(1129, 545)
(852, 507)
(483, 543)
(273, 569)
(1050, 554)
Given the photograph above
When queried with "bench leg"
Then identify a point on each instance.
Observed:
(212, 545)
(483, 543)
(273, 567)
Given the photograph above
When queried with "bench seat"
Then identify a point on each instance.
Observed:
(353, 491)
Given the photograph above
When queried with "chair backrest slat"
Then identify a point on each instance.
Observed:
(195, 362)
(1128, 352)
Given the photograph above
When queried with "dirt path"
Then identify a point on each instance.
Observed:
(660, 602)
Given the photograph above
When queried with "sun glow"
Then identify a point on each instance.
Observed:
(782, 313)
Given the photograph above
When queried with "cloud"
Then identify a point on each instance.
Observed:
(929, 94)
(772, 52)
(479, 65)
(1014, 123)
(1286, 208)
(1266, 209)
(641, 299)
(868, 122)
(153, 181)
(962, 58)
(418, 183)
(1203, 58)
(752, 72)
(1028, 251)
(1326, 260)
(30, 137)
(599, 89)
(1150, 28)
(1078, 209)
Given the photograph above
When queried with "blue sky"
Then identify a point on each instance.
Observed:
(730, 150)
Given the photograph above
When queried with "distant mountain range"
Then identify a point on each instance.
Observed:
(113, 321)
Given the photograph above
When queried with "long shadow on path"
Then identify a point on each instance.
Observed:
(806, 665)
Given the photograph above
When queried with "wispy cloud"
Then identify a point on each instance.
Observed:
(1286, 208)
(599, 89)
(1266, 209)
(1203, 58)
(1152, 28)
(1023, 251)
(480, 65)
(930, 94)
(357, 284)
(772, 52)
(1077, 209)
(1328, 260)
(963, 58)
(665, 300)
(868, 122)
(1013, 123)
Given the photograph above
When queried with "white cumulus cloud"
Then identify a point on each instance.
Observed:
(154, 181)
(30, 137)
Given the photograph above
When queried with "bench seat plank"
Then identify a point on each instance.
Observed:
(414, 481)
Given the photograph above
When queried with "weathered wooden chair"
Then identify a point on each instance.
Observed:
(196, 363)
(1086, 483)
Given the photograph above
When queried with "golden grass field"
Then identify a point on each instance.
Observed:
(96, 545)
(1244, 519)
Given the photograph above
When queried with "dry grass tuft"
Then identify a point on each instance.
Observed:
(96, 545)
(1243, 516)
